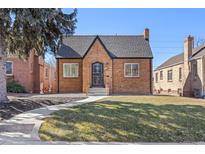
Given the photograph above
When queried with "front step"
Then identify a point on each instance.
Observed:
(97, 92)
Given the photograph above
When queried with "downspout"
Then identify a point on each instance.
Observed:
(151, 77)
(112, 77)
(50, 78)
(58, 74)
(203, 76)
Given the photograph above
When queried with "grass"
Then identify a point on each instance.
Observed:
(129, 119)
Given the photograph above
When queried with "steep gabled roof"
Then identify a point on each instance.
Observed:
(117, 46)
(197, 53)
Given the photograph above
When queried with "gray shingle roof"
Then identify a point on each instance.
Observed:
(117, 46)
(197, 52)
(171, 61)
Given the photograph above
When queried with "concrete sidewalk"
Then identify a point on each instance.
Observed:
(23, 128)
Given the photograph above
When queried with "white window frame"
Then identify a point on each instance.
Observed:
(71, 76)
(168, 75)
(138, 75)
(161, 75)
(180, 73)
(195, 69)
(157, 77)
(12, 68)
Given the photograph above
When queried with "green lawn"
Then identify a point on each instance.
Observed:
(129, 119)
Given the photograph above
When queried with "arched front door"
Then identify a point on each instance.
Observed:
(97, 75)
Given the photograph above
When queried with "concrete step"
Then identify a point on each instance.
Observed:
(97, 92)
(97, 89)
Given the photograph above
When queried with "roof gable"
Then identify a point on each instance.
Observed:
(117, 46)
(97, 38)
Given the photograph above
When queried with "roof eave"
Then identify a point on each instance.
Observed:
(157, 69)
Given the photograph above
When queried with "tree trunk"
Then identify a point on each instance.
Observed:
(3, 90)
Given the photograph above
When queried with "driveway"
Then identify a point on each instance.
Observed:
(23, 128)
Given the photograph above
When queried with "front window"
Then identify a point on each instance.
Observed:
(131, 70)
(195, 69)
(70, 70)
(156, 77)
(169, 75)
(161, 75)
(180, 73)
(9, 68)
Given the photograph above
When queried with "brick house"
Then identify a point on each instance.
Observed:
(183, 74)
(33, 74)
(105, 64)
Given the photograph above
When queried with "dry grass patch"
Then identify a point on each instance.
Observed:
(129, 119)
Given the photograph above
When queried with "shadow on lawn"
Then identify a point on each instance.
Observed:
(126, 122)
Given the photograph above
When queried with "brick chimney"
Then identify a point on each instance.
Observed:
(188, 46)
(146, 34)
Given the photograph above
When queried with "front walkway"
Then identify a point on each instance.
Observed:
(27, 95)
(23, 128)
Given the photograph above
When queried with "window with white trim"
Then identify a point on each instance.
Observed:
(180, 74)
(169, 75)
(9, 68)
(156, 77)
(131, 70)
(194, 67)
(70, 70)
(161, 75)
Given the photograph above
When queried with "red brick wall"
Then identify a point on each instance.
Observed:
(30, 73)
(69, 85)
(36, 75)
(97, 53)
(53, 80)
(49, 80)
(21, 73)
(138, 85)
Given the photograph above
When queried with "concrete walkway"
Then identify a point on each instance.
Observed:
(23, 128)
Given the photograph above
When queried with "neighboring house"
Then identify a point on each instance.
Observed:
(49, 82)
(33, 74)
(183, 74)
(110, 64)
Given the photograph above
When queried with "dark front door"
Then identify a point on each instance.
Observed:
(97, 75)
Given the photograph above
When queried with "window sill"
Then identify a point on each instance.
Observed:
(71, 77)
(131, 76)
(9, 75)
(170, 80)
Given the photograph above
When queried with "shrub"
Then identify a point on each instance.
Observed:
(15, 87)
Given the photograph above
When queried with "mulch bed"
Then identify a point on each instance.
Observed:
(17, 106)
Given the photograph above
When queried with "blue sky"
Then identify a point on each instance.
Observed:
(168, 27)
